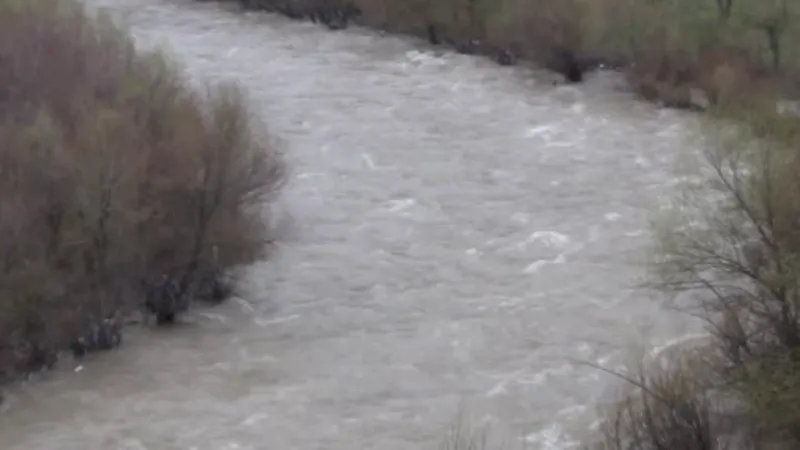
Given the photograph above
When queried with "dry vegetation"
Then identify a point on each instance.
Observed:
(733, 244)
(120, 188)
(673, 50)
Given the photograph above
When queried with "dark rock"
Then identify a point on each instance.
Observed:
(212, 287)
(469, 47)
(39, 359)
(164, 298)
(433, 37)
(574, 66)
(290, 11)
(353, 11)
(338, 21)
(506, 58)
(105, 335)
(566, 63)
(334, 18)
(574, 74)
(79, 348)
(165, 317)
(257, 5)
(44, 359)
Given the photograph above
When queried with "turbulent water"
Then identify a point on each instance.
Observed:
(459, 233)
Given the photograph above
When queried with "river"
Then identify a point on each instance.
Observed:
(456, 233)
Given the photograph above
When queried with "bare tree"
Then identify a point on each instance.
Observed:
(737, 251)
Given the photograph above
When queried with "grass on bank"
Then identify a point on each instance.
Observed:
(113, 173)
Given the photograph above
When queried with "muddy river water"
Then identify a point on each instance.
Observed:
(456, 233)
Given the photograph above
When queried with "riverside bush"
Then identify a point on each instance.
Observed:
(733, 246)
(113, 173)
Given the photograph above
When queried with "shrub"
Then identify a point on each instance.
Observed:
(112, 173)
(731, 244)
(665, 406)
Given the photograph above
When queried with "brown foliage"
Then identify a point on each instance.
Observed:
(111, 171)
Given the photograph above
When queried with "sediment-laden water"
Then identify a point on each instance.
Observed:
(459, 231)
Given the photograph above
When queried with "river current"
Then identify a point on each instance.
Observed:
(455, 234)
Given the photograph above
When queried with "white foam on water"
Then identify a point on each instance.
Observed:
(612, 216)
(498, 389)
(254, 419)
(585, 348)
(520, 218)
(550, 238)
(211, 316)
(635, 233)
(658, 350)
(400, 205)
(421, 57)
(551, 438)
(539, 131)
(267, 322)
(538, 265)
(572, 411)
(244, 304)
(560, 144)
(368, 161)
(306, 175)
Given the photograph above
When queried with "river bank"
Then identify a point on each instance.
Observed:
(681, 54)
